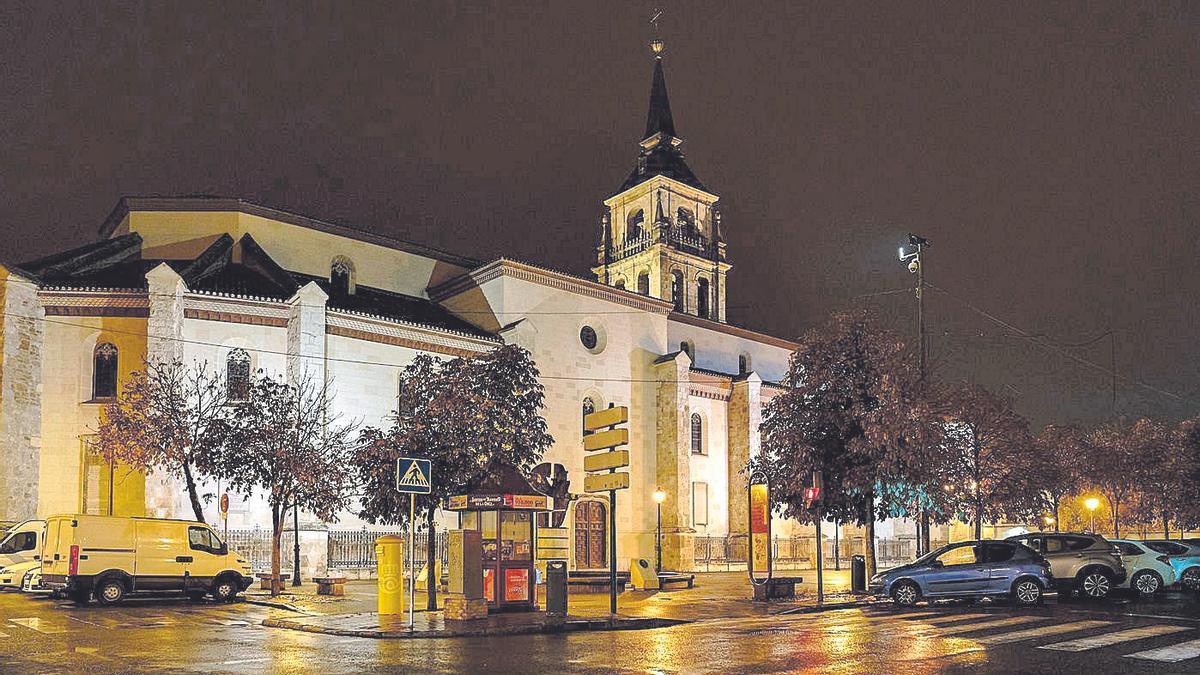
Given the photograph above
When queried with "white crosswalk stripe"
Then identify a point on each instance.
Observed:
(907, 615)
(1114, 638)
(985, 625)
(951, 618)
(1040, 631)
(1170, 654)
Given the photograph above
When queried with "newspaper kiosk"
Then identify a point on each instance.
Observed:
(503, 509)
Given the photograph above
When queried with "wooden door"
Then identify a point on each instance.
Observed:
(591, 527)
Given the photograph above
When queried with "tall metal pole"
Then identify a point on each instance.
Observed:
(612, 552)
(820, 558)
(296, 545)
(412, 559)
(658, 542)
(922, 360)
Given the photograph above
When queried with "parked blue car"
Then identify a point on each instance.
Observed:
(1183, 557)
(969, 569)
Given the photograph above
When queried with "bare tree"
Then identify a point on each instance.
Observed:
(169, 417)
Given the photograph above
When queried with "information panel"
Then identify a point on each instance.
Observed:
(760, 530)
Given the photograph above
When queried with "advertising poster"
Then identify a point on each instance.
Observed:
(516, 585)
(489, 584)
(760, 528)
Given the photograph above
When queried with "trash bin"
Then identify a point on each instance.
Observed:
(858, 574)
(556, 588)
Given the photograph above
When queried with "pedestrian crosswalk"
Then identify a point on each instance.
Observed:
(996, 629)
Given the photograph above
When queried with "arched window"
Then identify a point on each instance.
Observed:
(620, 283)
(237, 375)
(104, 371)
(687, 221)
(677, 290)
(633, 225)
(697, 435)
(702, 297)
(341, 276)
(743, 364)
(589, 407)
(687, 348)
(644, 283)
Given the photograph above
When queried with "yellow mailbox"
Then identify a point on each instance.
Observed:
(389, 561)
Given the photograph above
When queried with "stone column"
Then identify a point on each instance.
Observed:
(164, 328)
(166, 496)
(21, 341)
(673, 461)
(306, 335)
(745, 414)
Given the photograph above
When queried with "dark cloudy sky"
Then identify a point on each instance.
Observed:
(1048, 149)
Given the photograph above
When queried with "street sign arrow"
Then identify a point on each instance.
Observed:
(605, 418)
(606, 460)
(603, 482)
(603, 440)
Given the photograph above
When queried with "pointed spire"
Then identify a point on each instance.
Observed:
(658, 119)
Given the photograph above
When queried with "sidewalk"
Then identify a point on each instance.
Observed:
(716, 595)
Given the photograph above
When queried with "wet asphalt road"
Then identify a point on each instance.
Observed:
(42, 635)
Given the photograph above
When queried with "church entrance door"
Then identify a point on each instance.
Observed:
(591, 525)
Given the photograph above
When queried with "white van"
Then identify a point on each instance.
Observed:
(22, 543)
(107, 557)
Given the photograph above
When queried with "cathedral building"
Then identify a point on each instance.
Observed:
(243, 287)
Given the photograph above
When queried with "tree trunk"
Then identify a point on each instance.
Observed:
(197, 507)
(869, 535)
(1166, 525)
(276, 553)
(432, 580)
(978, 496)
(924, 531)
(1116, 516)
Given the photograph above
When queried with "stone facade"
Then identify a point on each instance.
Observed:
(674, 460)
(21, 344)
(745, 414)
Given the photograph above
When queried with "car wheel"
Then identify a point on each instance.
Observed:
(1146, 583)
(110, 592)
(906, 594)
(225, 589)
(1027, 592)
(1190, 579)
(1094, 584)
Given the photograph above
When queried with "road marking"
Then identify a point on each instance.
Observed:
(1173, 654)
(1109, 639)
(239, 662)
(909, 615)
(984, 625)
(1040, 631)
(955, 617)
(34, 623)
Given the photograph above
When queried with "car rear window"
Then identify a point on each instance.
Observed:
(1167, 547)
(1055, 545)
(1078, 543)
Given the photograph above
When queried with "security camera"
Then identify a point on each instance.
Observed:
(914, 266)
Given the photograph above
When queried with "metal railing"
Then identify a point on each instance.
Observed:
(355, 549)
(255, 546)
(723, 553)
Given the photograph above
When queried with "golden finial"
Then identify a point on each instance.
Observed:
(656, 44)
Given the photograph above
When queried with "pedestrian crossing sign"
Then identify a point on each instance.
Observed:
(414, 476)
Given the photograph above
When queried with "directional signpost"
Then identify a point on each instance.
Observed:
(603, 435)
(415, 477)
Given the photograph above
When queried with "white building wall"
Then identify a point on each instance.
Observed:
(718, 350)
(711, 468)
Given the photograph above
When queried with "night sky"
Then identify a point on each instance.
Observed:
(1047, 151)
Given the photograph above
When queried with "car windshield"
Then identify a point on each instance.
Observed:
(13, 543)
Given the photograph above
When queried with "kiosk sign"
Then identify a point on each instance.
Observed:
(760, 530)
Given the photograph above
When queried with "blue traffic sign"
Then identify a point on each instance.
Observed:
(414, 476)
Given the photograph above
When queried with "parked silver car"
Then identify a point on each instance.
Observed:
(1087, 563)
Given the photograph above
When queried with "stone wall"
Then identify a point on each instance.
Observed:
(21, 343)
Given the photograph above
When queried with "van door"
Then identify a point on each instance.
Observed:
(208, 556)
(51, 550)
(162, 555)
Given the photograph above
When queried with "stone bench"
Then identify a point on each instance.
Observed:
(335, 586)
(777, 588)
(264, 579)
(665, 578)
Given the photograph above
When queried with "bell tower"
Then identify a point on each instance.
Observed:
(660, 234)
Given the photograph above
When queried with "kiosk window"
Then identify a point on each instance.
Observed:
(515, 536)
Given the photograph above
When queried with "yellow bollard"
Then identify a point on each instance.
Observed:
(389, 563)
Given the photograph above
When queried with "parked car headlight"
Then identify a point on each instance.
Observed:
(878, 578)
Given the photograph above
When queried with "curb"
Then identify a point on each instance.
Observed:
(568, 626)
(276, 604)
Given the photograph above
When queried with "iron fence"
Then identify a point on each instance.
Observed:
(722, 553)
(355, 549)
(255, 546)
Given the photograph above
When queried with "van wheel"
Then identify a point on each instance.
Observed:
(1146, 583)
(225, 589)
(1027, 592)
(110, 592)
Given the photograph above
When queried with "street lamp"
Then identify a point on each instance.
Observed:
(659, 498)
(1092, 504)
(1048, 520)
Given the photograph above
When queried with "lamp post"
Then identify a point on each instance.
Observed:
(1048, 521)
(1092, 504)
(911, 254)
(659, 497)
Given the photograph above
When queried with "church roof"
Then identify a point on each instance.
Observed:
(660, 154)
